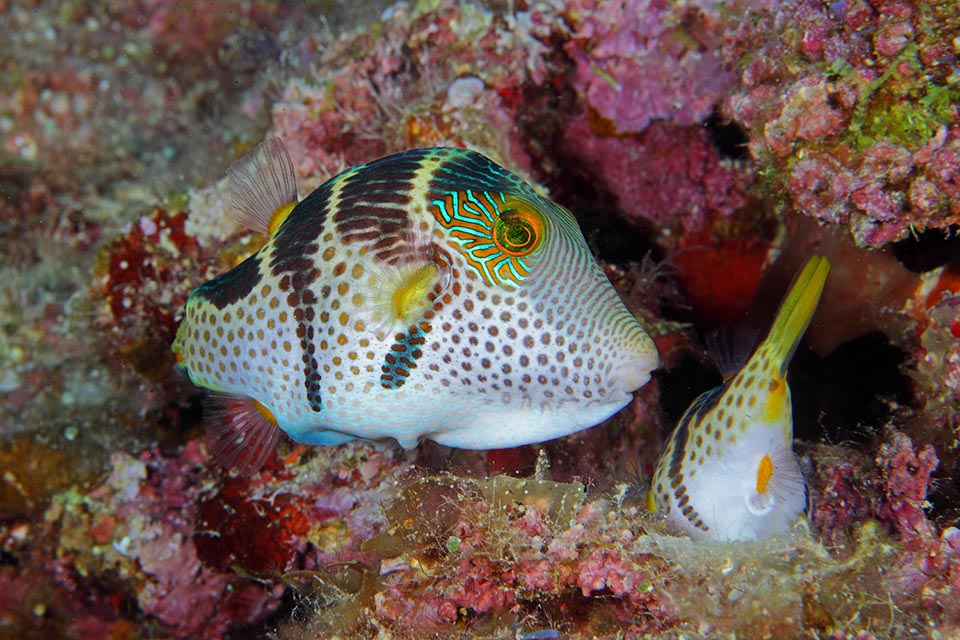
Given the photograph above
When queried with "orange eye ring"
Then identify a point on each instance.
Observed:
(518, 230)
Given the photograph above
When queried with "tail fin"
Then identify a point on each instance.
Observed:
(796, 310)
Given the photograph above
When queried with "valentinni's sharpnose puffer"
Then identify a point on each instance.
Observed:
(427, 294)
(728, 471)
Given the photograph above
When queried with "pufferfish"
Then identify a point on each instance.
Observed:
(426, 294)
(728, 471)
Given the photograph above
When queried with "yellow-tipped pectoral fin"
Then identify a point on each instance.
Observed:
(651, 500)
(797, 309)
(397, 297)
(411, 296)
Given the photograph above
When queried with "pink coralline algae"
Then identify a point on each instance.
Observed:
(933, 571)
(605, 570)
(201, 553)
(892, 488)
(142, 522)
(648, 74)
(935, 366)
(510, 546)
(670, 175)
(854, 106)
(930, 564)
(378, 94)
(646, 60)
(908, 480)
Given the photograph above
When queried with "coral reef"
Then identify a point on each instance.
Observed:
(143, 276)
(707, 148)
(412, 84)
(638, 62)
(141, 524)
(853, 107)
(650, 73)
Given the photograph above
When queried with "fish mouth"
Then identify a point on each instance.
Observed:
(629, 377)
(180, 361)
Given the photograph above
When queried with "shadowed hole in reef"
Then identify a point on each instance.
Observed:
(853, 394)
(181, 422)
(928, 250)
(681, 385)
(611, 237)
(850, 394)
(728, 137)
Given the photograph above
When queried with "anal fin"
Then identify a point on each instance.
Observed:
(242, 432)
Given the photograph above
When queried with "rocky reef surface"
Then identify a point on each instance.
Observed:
(706, 147)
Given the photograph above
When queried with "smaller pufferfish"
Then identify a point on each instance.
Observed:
(728, 471)
(429, 294)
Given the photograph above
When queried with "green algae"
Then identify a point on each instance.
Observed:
(903, 109)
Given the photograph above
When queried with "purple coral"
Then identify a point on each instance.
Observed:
(670, 175)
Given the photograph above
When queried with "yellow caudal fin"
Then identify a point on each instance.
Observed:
(796, 310)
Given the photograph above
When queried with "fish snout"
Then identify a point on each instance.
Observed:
(637, 362)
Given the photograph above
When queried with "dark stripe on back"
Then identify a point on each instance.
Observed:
(704, 403)
(292, 260)
(375, 198)
(373, 208)
(233, 285)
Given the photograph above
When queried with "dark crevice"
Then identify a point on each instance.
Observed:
(682, 384)
(851, 394)
(544, 116)
(928, 250)
(611, 237)
(728, 137)
(180, 422)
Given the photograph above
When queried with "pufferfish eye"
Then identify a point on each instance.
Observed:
(518, 229)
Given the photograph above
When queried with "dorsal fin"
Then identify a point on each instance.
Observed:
(730, 347)
(263, 186)
(243, 433)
